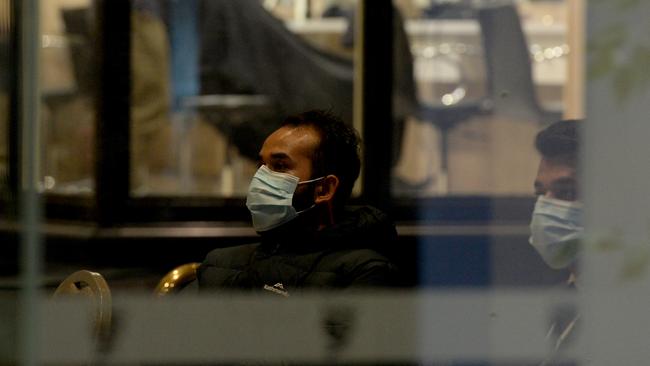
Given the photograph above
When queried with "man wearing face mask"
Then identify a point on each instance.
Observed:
(309, 239)
(556, 225)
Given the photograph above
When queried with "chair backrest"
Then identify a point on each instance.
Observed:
(508, 63)
(78, 30)
(92, 286)
(176, 279)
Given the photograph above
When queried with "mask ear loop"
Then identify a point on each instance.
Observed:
(313, 205)
(311, 180)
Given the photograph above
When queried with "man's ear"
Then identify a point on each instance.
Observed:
(326, 189)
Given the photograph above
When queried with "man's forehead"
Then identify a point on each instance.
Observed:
(290, 140)
(558, 164)
(550, 169)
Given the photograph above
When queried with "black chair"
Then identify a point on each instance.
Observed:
(510, 88)
(246, 50)
(82, 54)
(511, 91)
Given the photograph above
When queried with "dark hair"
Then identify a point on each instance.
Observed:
(337, 153)
(559, 141)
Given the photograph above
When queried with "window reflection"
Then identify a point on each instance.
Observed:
(489, 75)
(68, 82)
(151, 153)
(236, 69)
(206, 93)
(201, 135)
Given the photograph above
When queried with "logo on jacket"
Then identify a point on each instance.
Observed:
(278, 288)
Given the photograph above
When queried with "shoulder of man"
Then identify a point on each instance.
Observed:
(365, 231)
(230, 257)
(222, 267)
(363, 227)
(360, 267)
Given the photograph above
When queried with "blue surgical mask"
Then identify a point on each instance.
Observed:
(270, 198)
(556, 228)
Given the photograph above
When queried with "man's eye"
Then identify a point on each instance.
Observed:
(279, 167)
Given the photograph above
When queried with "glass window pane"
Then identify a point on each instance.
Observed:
(68, 83)
(488, 76)
(212, 79)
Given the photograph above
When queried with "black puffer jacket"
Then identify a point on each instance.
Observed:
(343, 255)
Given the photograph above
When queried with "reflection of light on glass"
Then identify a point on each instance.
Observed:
(270, 4)
(545, 54)
(453, 97)
(49, 182)
(445, 48)
(429, 52)
(459, 94)
(548, 20)
(535, 48)
(53, 41)
(548, 53)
